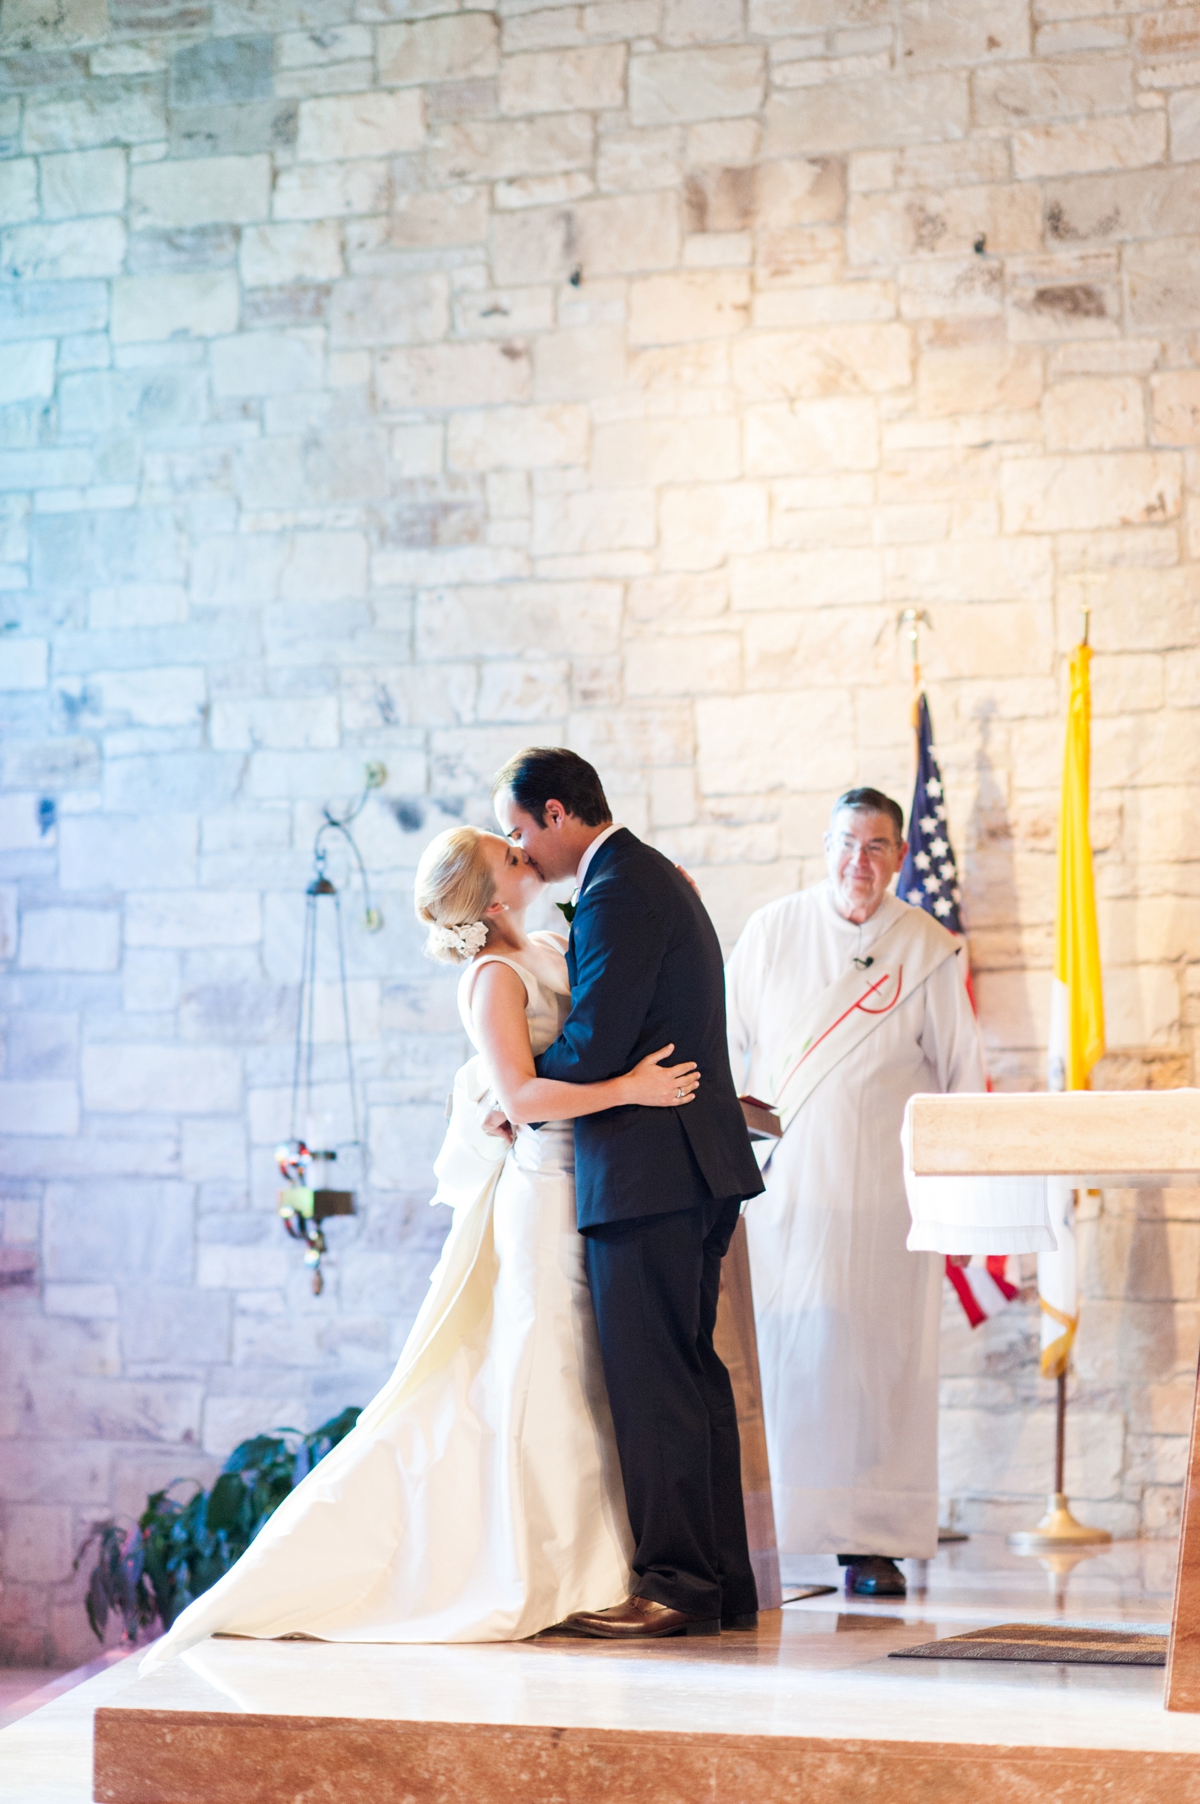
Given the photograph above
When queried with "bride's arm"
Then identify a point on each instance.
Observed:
(498, 1010)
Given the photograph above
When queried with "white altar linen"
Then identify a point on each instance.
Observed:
(980, 1214)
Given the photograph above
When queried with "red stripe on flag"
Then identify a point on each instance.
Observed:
(965, 1294)
(997, 1265)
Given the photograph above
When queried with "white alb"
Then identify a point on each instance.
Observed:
(847, 1318)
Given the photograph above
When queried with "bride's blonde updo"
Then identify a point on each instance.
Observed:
(454, 886)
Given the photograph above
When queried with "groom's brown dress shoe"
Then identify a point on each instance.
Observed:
(638, 1619)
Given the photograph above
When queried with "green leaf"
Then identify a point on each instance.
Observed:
(226, 1501)
(567, 910)
(262, 1449)
(97, 1603)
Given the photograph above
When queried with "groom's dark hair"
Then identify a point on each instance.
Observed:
(549, 773)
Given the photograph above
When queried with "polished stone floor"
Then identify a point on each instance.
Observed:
(18, 1683)
(818, 1669)
(46, 1757)
(24, 1689)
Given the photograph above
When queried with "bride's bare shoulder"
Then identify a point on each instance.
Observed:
(490, 980)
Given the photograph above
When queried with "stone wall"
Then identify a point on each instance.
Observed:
(401, 383)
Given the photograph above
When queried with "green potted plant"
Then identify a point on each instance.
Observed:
(150, 1572)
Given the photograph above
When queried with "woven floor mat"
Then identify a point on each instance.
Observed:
(1045, 1641)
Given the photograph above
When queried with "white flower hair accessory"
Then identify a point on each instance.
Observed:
(466, 940)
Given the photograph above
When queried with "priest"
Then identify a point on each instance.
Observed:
(843, 1002)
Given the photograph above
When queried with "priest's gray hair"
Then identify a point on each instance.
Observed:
(870, 801)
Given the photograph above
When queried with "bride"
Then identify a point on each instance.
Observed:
(479, 1496)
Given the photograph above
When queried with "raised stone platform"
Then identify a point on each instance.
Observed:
(807, 1708)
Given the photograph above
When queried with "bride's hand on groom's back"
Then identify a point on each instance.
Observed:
(653, 1085)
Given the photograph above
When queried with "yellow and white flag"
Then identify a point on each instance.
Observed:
(1076, 1010)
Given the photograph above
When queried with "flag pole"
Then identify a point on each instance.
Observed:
(912, 619)
(1058, 1528)
(940, 901)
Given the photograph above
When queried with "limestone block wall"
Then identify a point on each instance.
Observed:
(408, 382)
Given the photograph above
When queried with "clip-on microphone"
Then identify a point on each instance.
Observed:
(863, 963)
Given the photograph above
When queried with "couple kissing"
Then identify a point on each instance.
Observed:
(558, 1445)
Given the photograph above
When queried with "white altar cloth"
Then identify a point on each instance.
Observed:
(974, 1214)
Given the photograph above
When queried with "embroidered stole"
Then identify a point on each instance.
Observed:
(853, 1006)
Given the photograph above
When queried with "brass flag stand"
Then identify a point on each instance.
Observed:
(1058, 1531)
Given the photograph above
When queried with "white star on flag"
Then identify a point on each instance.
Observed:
(933, 787)
(941, 906)
(922, 861)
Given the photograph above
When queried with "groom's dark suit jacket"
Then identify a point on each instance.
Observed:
(645, 969)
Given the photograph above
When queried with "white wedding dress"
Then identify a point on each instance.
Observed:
(479, 1496)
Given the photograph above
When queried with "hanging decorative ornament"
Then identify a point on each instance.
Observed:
(310, 1196)
(308, 1201)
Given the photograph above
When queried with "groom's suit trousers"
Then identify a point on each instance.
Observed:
(654, 1282)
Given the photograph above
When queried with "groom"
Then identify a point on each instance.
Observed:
(657, 1191)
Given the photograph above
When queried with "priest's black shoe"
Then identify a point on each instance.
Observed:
(871, 1575)
(745, 1619)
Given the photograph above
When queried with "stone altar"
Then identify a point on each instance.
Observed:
(1124, 1139)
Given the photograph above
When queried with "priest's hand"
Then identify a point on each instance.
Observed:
(689, 877)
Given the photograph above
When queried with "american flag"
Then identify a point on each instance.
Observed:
(929, 875)
(929, 880)
(982, 1287)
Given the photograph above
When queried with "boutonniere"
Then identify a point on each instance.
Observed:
(567, 910)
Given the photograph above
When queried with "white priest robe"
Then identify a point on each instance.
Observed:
(847, 1317)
